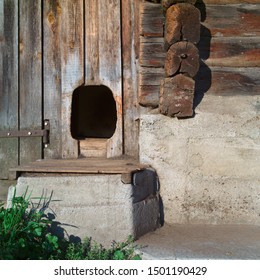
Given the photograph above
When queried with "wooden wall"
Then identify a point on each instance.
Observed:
(9, 78)
(48, 48)
(229, 49)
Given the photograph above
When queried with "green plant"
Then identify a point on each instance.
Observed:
(24, 234)
(24, 231)
(91, 250)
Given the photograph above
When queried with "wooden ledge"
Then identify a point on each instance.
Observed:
(123, 166)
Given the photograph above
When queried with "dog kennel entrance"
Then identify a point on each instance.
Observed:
(93, 119)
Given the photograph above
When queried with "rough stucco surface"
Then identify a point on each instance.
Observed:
(209, 165)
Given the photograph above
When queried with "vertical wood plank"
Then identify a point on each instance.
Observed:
(92, 42)
(130, 52)
(103, 58)
(110, 65)
(52, 74)
(8, 83)
(30, 77)
(72, 67)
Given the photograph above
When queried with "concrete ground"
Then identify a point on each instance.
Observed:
(186, 242)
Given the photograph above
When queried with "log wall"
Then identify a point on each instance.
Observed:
(228, 48)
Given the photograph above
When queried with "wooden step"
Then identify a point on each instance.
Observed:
(124, 166)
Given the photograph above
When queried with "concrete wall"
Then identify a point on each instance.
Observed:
(100, 206)
(209, 165)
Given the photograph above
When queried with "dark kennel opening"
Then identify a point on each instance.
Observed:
(93, 112)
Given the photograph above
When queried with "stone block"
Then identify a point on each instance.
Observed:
(148, 213)
(100, 206)
(146, 184)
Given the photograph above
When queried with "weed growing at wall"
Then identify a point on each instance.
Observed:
(24, 235)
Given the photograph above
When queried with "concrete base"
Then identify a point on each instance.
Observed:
(209, 165)
(204, 242)
(97, 206)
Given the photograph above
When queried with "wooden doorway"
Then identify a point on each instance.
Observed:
(50, 48)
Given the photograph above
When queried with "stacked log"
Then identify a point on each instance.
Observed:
(182, 32)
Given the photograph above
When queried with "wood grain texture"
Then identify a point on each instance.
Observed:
(151, 20)
(91, 42)
(182, 57)
(30, 77)
(220, 2)
(182, 24)
(218, 51)
(176, 96)
(152, 53)
(231, 51)
(149, 95)
(72, 68)
(103, 58)
(8, 84)
(231, 20)
(84, 166)
(93, 147)
(228, 81)
(130, 51)
(149, 86)
(52, 74)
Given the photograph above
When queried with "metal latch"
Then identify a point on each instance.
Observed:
(44, 133)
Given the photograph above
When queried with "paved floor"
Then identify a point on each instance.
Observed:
(186, 242)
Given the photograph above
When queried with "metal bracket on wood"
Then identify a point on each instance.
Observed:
(44, 133)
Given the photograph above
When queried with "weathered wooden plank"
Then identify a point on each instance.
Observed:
(151, 76)
(220, 2)
(232, 20)
(152, 53)
(8, 83)
(83, 166)
(93, 147)
(52, 74)
(149, 86)
(111, 67)
(130, 42)
(72, 67)
(151, 20)
(231, 51)
(226, 81)
(149, 95)
(30, 77)
(103, 58)
(91, 42)
(216, 51)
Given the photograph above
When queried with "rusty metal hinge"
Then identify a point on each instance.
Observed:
(44, 133)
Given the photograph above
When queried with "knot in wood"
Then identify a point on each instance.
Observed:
(183, 56)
